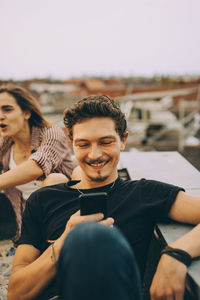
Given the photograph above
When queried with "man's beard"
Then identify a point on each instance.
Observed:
(98, 178)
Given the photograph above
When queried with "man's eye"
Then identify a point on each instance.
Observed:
(106, 143)
(82, 145)
(7, 109)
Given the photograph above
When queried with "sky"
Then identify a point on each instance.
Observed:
(72, 38)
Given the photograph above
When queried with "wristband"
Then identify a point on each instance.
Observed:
(52, 254)
(178, 254)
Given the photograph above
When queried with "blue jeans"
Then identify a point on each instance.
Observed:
(97, 263)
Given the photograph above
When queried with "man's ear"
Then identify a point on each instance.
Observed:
(123, 142)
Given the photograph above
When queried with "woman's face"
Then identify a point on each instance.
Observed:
(13, 119)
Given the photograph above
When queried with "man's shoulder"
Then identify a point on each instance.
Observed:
(143, 183)
(128, 187)
(146, 181)
(47, 192)
(53, 188)
(138, 182)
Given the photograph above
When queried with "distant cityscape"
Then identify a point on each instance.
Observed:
(162, 111)
(47, 88)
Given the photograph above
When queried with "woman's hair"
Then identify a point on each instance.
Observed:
(27, 103)
(96, 106)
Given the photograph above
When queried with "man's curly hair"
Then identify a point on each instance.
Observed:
(95, 106)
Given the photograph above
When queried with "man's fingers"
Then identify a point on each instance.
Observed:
(163, 296)
(77, 219)
(177, 293)
(180, 295)
(108, 222)
(170, 298)
(169, 280)
(78, 213)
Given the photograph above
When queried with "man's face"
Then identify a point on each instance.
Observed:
(97, 148)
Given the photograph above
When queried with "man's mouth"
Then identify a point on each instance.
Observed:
(98, 164)
(3, 125)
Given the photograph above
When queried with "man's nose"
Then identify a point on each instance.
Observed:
(95, 152)
(2, 115)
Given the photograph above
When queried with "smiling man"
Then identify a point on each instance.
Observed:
(95, 261)
(97, 147)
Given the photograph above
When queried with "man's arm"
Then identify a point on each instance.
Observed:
(169, 279)
(31, 271)
(186, 209)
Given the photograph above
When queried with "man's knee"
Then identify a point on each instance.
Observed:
(94, 240)
(99, 258)
(90, 234)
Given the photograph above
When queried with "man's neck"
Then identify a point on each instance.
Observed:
(87, 183)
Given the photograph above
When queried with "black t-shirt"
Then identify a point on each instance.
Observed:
(135, 206)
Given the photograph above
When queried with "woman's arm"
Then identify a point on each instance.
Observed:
(23, 173)
(53, 154)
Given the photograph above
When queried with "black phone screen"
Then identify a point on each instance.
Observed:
(93, 203)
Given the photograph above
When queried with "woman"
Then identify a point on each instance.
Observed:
(33, 153)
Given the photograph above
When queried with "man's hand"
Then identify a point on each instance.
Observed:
(76, 219)
(169, 280)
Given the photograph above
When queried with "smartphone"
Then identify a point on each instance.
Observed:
(93, 203)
